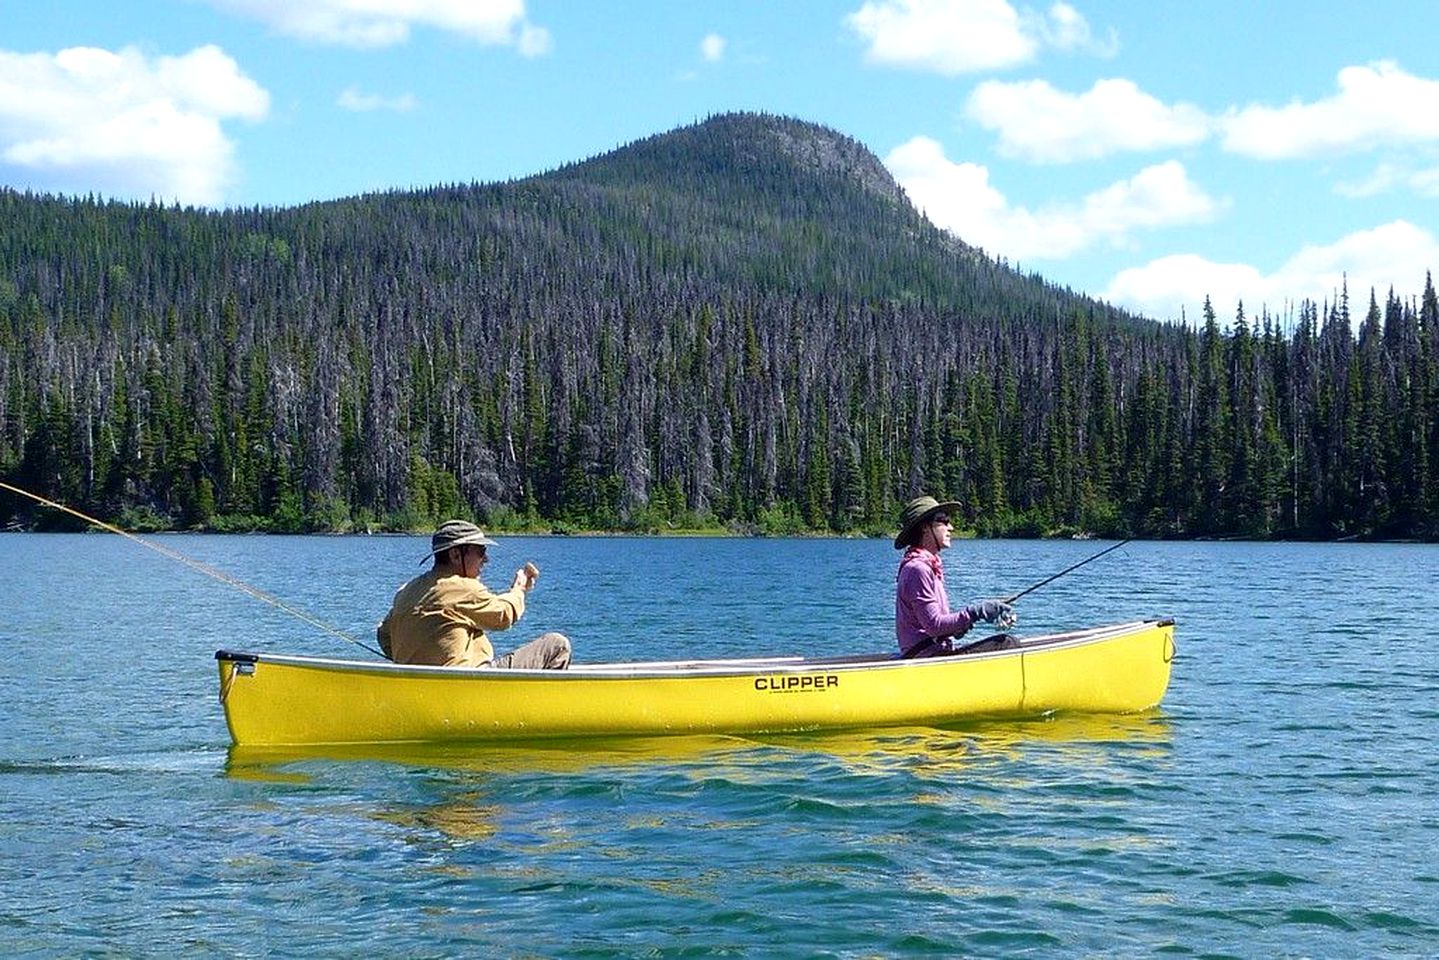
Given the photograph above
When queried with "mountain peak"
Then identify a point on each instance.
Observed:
(810, 146)
(745, 151)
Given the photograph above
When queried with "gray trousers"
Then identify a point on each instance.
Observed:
(549, 651)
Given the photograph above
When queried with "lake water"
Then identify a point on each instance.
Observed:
(1281, 803)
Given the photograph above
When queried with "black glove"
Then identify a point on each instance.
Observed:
(993, 611)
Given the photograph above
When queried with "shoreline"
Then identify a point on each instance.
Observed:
(702, 534)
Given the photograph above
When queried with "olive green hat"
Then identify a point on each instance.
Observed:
(457, 533)
(917, 511)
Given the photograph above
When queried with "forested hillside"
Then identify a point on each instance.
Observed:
(742, 322)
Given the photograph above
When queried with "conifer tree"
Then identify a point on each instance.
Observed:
(1211, 429)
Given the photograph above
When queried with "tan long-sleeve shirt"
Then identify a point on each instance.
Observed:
(440, 620)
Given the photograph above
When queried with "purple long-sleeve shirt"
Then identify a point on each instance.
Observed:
(921, 606)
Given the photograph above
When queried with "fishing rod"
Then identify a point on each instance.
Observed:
(194, 564)
(1061, 573)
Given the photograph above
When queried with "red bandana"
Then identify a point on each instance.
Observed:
(930, 558)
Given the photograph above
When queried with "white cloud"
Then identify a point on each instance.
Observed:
(1156, 196)
(1397, 254)
(383, 23)
(1381, 179)
(1391, 175)
(1066, 29)
(1039, 123)
(1378, 105)
(90, 119)
(1426, 182)
(962, 36)
(533, 41)
(959, 197)
(1176, 286)
(353, 99)
(712, 48)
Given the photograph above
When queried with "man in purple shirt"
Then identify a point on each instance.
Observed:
(923, 623)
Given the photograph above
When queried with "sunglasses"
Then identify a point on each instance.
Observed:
(941, 518)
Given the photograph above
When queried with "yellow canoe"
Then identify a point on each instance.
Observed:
(275, 700)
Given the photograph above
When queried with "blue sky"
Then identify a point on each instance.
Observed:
(1147, 153)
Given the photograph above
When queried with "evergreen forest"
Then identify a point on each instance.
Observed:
(742, 324)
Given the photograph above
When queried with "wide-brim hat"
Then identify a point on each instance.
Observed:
(917, 511)
(457, 533)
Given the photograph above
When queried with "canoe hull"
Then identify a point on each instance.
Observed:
(291, 701)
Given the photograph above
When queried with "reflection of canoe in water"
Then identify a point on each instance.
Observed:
(878, 750)
(282, 700)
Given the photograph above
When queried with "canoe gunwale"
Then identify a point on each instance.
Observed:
(661, 669)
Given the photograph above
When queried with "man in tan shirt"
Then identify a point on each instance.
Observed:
(440, 617)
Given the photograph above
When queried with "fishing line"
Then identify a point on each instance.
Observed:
(1061, 573)
(196, 565)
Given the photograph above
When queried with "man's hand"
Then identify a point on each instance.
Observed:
(525, 577)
